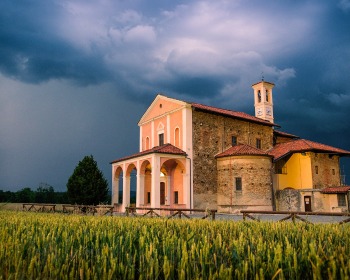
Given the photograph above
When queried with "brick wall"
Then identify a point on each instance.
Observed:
(255, 173)
(212, 134)
(328, 170)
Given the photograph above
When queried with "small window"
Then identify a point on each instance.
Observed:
(316, 169)
(234, 140)
(176, 197)
(258, 143)
(238, 183)
(281, 167)
(147, 143)
(177, 137)
(267, 96)
(259, 96)
(281, 170)
(333, 171)
(161, 139)
(341, 199)
(148, 197)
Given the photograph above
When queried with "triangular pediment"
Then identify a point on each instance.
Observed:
(161, 106)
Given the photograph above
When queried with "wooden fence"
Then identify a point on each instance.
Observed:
(69, 208)
(294, 215)
(173, 212)
(39, 207)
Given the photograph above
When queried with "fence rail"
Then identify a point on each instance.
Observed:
(69, 208)
(294, 215)
(39, 207)
(173, 212)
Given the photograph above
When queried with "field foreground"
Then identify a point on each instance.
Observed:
(57, 246)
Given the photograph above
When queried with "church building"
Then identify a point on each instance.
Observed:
(196, 156)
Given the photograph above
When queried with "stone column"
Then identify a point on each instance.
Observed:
(155, 189)
(115, 187)
(126, 189)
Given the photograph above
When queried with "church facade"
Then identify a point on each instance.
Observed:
(197, 156)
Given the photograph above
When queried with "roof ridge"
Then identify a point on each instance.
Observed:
(231, 113)
(242, 149)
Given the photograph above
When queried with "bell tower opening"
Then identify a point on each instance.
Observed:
(263, 100)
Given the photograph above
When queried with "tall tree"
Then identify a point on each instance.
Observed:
(87, 184)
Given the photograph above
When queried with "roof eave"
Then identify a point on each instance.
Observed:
(262, 122)
(145, 154)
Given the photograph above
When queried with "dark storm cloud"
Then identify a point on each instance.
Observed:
(32, 52)
(76, 76)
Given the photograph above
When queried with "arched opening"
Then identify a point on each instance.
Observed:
(117, 186)
(130, 186)
(172, 181)
(145, 183)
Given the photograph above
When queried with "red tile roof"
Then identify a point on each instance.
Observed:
(335, 190)
(241, 149)
(284, 134)
(229, 113)
(302, 145)
(164, 149)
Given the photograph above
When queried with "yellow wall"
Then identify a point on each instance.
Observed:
(299, 173)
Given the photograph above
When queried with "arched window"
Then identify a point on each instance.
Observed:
(267, 96)
(147, 143)
(259, 96)
(177, 137)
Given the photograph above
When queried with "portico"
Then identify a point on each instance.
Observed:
(162, 178)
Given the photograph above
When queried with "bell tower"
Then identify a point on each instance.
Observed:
(263, 100)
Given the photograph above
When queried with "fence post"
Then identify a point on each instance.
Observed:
(212, 215)
(127, 211)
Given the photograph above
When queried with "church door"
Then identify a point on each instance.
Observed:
(307, 203)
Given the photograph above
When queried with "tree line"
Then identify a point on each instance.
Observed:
(86, 185)
(43, 194)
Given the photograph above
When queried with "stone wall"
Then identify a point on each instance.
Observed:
(288, 200)
(256, 193)
(212, 134)
(293, 200)
(328, 170)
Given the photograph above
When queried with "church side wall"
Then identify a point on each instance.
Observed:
(325, 171)
(212, 134)
(256, 193)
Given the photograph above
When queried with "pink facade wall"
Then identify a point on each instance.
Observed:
(165, 118)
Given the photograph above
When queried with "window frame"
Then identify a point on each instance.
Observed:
(258, 143)
(161, 139)
(341, 199)
(233, 140)
(238, 184)
(176, 197)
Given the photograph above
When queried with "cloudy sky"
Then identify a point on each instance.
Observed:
(76, 76)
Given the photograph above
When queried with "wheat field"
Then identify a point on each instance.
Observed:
(58, 246)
